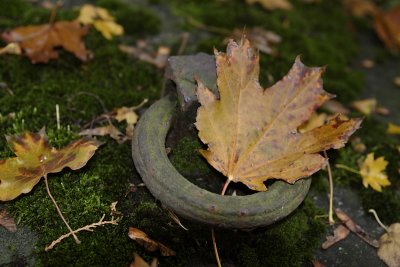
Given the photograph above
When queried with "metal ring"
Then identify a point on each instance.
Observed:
(190, 201)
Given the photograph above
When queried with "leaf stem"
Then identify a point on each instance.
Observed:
(59, 210)
(215, 247)
(378, 220)
(225, 186)
(347, 168)
(330, 213)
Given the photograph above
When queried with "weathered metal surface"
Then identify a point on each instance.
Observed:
(192, 202)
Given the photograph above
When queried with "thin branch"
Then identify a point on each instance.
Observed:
(59, 210)
(330, 213)
(84, 228)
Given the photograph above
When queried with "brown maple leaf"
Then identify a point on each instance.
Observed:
(36, 158)
(39, 41)
(149, 244)
(252, 134)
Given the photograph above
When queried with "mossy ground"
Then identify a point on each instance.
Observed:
(32, 91)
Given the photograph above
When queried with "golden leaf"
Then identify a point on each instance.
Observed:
(365, 106)
(101, 20)
(252, 133)
(389, 246)
(272, 4)
(149, 244)
(393, 129)
(36, 158)
(372, 172)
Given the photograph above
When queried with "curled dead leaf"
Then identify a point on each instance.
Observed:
(149, 244)
(142, 52)
(110, 130)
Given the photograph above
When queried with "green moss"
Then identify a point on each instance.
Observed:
(187, 159)
(321, 39)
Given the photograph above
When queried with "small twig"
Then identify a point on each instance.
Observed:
(58, 116)
(378, 220)
(330, 213)
(59, 211)
(215, 247)
(198, 24)
(84, 228)
(347, 168)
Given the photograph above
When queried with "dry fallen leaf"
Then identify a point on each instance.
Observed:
(368, 63)
(36, 158)
(372, 172)
(340, 233)
(39, 42)
(7, 221)
(272, 4)
(365, 106)
(101, 20)
(387, 26)
(358, 145)
(141, 51)
(259, 38)
(355, 228)
(139, 262)
(110, 130)
(149, 244)
(317, 263)
(11, 48)
(252, 133)
(393, 129)
(389, 246)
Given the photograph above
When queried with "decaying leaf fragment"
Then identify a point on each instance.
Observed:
(149, 244)
(251, 133)
(365, 106)
(389, 246)
(340, 233)
(101, 20)
(144, 53)
(7, 221)
(372, 172)
(110, 130)
(39, 42)
(272, 4)
(36, 158)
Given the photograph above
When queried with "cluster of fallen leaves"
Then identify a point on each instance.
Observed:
(39, 42)
(386, 23)
(388, 246)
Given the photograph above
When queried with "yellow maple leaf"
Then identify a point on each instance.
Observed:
(101, 20)
(252, 134)
(393, 129)
(36, 158)
(372, 172)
